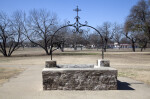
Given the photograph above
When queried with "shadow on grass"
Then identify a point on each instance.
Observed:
(124, 86)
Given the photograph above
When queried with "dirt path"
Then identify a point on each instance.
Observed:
(28, 85)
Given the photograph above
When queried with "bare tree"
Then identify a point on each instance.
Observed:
(94, 40)
(79, 39)
(11, 32)
(131, 35)
(137, 22)
(118, 31)
(61, 38)
(107, 33)
(142, 41)
(86, 37)
(41, 25)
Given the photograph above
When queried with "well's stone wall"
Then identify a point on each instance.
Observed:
(104, 78)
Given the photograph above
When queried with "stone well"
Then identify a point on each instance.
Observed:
(79, 77)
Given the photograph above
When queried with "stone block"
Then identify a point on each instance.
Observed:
(104, 78)
(76, 66)
(103, 63)
(50, 64)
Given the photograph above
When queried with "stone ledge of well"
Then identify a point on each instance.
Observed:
(70, 69)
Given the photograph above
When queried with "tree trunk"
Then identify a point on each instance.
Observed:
(75, 47)
(141, 49)
(46, 51)
(119, 45)
(105, 47)
(4, 54)
(133, 46)
(81, 48)
(145, 46)
(62, 47)
(97, 48)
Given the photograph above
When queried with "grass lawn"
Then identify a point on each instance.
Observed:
(8, 72)
(135, 65)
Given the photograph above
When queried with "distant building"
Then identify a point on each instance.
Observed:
(125, 46)
(117, 46)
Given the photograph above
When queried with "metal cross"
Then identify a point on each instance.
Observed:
(77, 10)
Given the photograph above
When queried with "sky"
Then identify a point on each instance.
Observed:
(96, 12)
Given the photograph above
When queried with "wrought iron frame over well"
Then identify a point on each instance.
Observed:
(77, 29)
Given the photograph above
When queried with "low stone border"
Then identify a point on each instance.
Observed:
(87, 78)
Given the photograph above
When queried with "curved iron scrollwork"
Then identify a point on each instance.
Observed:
(77, 29)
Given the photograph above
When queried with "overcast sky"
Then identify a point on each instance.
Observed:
(94, 11)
